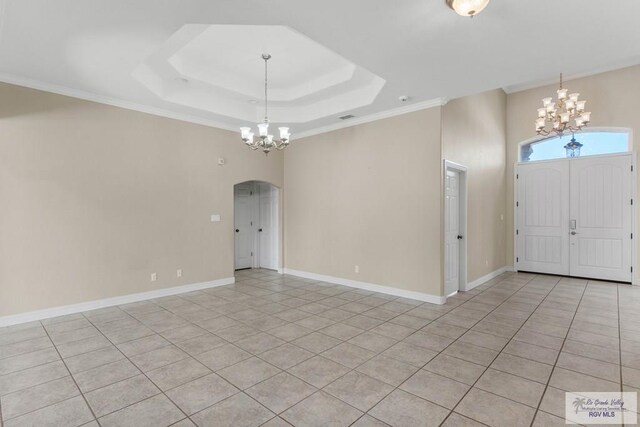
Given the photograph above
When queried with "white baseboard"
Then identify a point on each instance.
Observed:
(479, 281)
(434, 299)
(280, 270)
(109, 302)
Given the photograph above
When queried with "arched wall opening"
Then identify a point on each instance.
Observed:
(257, 217)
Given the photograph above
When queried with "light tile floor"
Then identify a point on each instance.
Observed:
(275, 350)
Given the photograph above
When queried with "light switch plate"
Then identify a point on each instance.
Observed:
(215, 218)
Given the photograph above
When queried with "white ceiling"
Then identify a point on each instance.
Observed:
(219, 69)
(420, 48)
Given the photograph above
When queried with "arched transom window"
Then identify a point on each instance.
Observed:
(590, 143)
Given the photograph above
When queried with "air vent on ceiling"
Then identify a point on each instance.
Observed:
(347, 117)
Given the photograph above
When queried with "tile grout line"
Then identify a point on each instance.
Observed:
(243, 391)
(141, 373)
(192, 356)
(320, 354)
(546, 387)
(70, 375)
(457, 339)
(314, 355)
(171, 343)
(350, 370)
(311, 314)
(503, 347)
(441, 351)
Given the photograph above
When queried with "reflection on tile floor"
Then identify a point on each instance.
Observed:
(276, 350)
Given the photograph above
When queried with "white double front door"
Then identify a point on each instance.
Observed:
(574, 217)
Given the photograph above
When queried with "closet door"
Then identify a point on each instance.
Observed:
(600, 238)
(542, 217)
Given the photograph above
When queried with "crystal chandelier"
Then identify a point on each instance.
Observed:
(560, 113)
(265, 141)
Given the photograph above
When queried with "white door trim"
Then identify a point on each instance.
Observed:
(462, 172)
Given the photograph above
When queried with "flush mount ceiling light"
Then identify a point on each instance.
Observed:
(468, 8)
(265, 141)
(560, 113)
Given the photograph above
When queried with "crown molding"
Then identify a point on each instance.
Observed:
(101, 99)
(436, 102)
(565, 78)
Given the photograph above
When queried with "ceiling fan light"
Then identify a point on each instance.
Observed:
(468, 8)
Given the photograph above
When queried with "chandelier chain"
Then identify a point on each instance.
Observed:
(265, 140)
(266, 116)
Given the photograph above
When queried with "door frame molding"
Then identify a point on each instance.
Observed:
(634, 195)
(463, 189)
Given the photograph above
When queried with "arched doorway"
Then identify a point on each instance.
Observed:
(256, 225)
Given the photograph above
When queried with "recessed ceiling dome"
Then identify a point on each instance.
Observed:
(224, 73)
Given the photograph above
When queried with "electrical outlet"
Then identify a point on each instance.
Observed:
(486, 262)
(154, 277)
(179, 273)
(356, 269)
(501, 217)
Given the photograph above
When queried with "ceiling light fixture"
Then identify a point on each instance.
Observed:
(468, 8)
(558, 114)
(265, 141)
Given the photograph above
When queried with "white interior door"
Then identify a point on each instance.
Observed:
(542, 212)
(268, 228)
(601, 195)
(452, 232)
(243, 226)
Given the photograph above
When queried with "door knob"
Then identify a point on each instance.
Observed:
(573, 233)
(260, 230)
(237, 231)
(459, 237)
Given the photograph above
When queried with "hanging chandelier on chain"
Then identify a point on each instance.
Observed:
(558, 115)
(265, 141)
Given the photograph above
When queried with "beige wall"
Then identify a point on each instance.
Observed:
(474, 135)
(368, 195)
(612, 97)
(94, 198)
